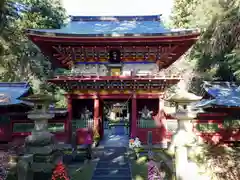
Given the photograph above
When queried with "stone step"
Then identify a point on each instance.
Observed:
(112, 172)
(106, 164)
(112, 178)
(118, 149)
(114, 159)
(113, 165)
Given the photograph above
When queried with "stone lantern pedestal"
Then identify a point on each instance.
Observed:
(41, 151)
(184, 137)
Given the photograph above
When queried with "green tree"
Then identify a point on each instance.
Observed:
(20, 59)
(182, 13)
(216, 53)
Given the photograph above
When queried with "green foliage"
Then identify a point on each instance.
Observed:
(183, 9)
(11, 176)
(219, 162)
(20, 59)
(217, 52)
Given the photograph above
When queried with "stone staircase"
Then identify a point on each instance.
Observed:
(113, 164)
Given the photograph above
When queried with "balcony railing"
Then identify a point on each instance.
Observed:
(124, 73)
(95, 76)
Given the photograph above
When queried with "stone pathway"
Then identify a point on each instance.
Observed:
(114, 140)
(113, 164)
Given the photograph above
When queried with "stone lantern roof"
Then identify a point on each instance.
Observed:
(39, 99)
(183, 96)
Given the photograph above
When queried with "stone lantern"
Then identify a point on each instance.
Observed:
(184, 136)
(41, 151)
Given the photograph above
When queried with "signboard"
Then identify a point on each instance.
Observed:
(115, 71)
(231, 123)
(207, 127)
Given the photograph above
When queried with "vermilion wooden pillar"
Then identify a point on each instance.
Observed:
(161, 109)
(101, 118)
(96, 112)
(162, 119)
(134, 117)
(69, 120)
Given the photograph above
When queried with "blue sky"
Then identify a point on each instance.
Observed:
(118, 7)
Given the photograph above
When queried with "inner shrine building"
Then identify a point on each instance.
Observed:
(112, 71)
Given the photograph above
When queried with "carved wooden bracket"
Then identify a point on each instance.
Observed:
(64, 55)
(166, 55)
(70, 54)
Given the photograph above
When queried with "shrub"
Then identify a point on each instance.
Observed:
(221, 162)
(3, 173)
(60, 172)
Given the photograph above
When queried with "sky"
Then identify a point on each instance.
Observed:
(118, 7)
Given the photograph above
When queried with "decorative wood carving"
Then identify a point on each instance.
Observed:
(70, 54)
(165, 55)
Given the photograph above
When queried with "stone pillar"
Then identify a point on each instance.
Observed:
(181, 162)
(180, 143)
(182, 138)
(69, 119)
(134, 117)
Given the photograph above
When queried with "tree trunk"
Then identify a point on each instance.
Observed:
(2, 3)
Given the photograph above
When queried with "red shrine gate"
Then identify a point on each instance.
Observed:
(117, 61)
(137, 99)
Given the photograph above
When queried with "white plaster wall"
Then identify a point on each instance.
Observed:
(101, 70)
(141, 69)
(90, 69)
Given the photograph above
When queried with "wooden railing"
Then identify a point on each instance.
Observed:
(81, 123)
(146, 124)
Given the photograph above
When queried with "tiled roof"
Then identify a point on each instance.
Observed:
(10, 92)
(223, 94)
(112, 26)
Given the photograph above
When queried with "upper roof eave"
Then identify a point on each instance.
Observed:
(191, 33)
(155, 17)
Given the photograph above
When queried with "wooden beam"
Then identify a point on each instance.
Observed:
(133, 132)
(69, 119)
(96, 113)
(115, 96)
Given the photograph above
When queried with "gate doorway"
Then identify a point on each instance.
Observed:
(116, 122)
